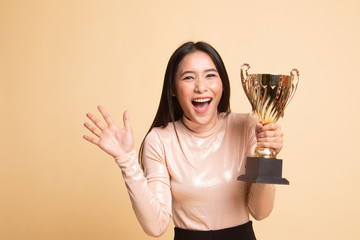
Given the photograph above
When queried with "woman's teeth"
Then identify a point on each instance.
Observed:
(201, 104)
(201, 100)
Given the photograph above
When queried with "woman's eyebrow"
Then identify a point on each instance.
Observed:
(186, 72)
(207, 70)
(211, 70)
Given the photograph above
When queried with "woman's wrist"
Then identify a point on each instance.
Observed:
(125, 157)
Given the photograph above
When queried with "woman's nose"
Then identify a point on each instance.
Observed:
(200, 86)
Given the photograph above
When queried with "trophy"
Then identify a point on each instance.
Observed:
(268, 95)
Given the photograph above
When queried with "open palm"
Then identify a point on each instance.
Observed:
(110, 138)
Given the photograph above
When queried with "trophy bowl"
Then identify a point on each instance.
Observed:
(268, 95)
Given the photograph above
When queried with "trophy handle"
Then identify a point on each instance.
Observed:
(245, 82)
(244, 72)
(295, 80)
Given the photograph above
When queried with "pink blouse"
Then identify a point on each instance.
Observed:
(192, 177)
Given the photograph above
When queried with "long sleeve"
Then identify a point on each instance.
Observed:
(150, 195)
(261, 197)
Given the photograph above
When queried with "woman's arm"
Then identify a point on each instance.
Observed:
(150, 196)
(261, 197)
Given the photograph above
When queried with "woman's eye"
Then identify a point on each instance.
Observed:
(210, 75)
(188, 78)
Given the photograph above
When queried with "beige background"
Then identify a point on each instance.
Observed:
(60, 59)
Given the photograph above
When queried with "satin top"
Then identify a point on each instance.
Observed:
(192, 177)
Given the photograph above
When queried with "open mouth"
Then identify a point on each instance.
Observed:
(201, 104)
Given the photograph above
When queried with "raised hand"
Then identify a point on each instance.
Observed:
(110, 138)
(269, 136)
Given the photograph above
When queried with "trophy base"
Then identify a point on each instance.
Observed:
(263, 170)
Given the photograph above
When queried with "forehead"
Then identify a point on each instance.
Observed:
(196, 61)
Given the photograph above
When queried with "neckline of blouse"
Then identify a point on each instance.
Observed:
(206, 134)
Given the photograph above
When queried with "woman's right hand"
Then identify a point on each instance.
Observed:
(110, 138)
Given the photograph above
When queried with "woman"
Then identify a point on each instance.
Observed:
(193, 153)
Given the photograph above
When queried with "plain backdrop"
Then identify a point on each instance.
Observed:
(59, 59)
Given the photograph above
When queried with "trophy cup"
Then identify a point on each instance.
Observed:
(268, 95)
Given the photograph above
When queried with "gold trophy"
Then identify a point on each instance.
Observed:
(268, 95)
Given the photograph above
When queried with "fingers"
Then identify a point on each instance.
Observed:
(108, 120)
(96, 121)
(269, 142)
(267, 127)
(269, 136)
(126, 120)
(268, 130)
(93, 129)
(105, 114)
(90, 139)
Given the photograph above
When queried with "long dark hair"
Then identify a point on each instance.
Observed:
(169, 109)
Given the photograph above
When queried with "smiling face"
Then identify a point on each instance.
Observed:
(198, 88)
